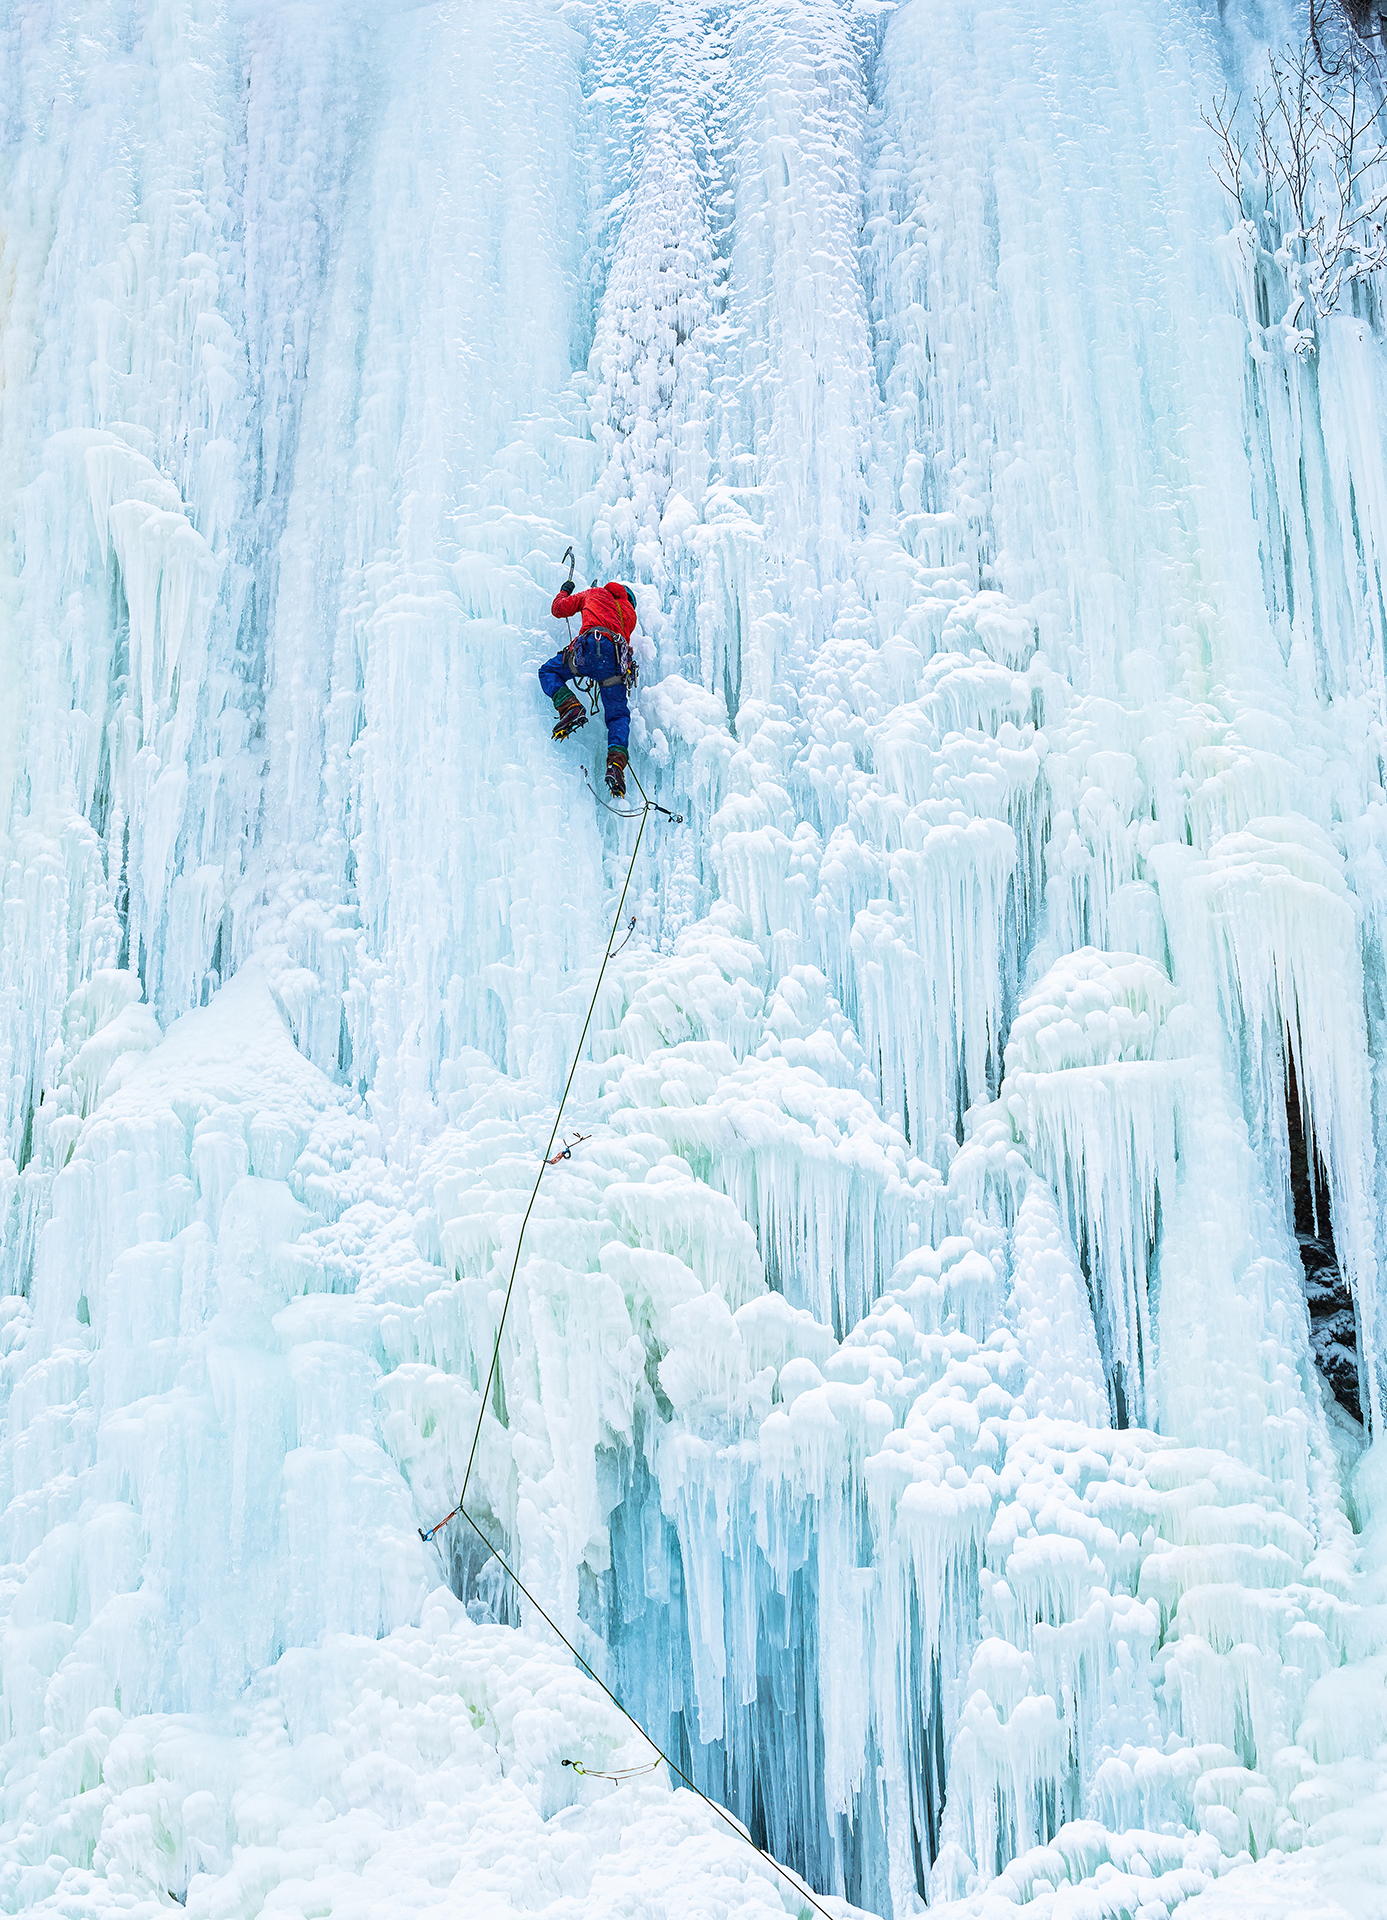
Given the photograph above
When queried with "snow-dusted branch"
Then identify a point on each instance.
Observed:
(1346, 238)
(1304, 165)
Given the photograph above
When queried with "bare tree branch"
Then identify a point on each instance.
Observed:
(1318, 142)
(1227, 161)
(1295, 105)
(1265, 147)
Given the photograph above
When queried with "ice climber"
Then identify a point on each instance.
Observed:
(602, 653)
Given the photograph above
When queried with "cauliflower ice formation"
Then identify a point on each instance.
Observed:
(905, 1399)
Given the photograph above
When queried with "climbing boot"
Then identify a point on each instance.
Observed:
(616, 773)
(571, 716)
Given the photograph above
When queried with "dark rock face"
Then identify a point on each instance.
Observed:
(1333, 1330)
(1333, 1324)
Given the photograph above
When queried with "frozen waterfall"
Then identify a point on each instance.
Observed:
(940, 1390)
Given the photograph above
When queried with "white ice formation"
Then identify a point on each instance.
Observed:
(908, 1403)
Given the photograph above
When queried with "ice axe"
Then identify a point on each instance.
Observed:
(569, 563)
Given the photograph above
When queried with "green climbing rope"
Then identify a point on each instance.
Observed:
(429, 1536)
(790, 1879)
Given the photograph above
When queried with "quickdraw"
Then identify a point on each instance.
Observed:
(654, 805)
(427, 1535)
(565, 1152)
(626, 1773)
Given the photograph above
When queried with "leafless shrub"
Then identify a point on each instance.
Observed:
(1307, 158)
(1292, 107)
(1230, 150)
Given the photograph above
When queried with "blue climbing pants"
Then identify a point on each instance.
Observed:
(592, 656)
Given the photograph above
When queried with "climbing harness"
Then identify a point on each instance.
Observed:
(566, 1151)
(625, 1773)
(627, 666)
(430, 1535)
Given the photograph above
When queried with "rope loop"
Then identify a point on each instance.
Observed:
(622, 813)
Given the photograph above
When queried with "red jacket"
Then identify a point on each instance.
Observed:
(601, 609)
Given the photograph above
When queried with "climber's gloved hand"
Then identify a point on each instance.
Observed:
(567, 587)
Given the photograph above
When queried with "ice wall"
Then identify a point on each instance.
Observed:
(907, 1401)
